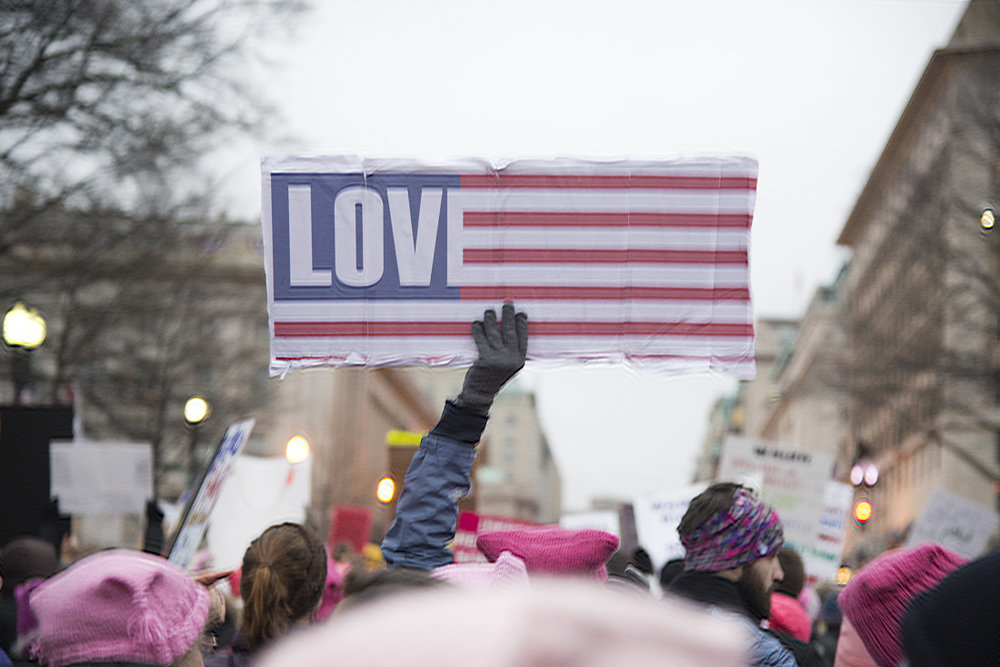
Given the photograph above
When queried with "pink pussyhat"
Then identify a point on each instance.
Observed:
(553, 550)
(118, 605)
(508, 571)
(875, 600)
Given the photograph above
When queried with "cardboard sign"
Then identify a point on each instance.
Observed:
(656, 521)
(792, 482)
(954, 523)
(387, 262)
(101, 477)
(823, 558)
(194, 520)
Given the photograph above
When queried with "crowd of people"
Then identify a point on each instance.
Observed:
(543, 596)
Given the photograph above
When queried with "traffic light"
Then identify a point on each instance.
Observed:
(862, 511)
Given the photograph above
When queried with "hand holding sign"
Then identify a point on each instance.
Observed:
(501, 355)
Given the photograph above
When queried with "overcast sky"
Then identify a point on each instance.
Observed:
(811, 89)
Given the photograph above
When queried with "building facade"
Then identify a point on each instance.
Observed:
(923, 307)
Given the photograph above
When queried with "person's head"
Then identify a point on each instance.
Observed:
(728, 531)
(120, 606)
(362, 587)
(27, 557)
(877, 597)
(281, 581)
(794, 573)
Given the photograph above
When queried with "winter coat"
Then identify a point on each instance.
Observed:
(709, 589)
(438, 477)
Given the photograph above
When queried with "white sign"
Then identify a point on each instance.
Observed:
(261, 492)
(656, 521)
(954, 523)
(794, 484)
(196, 514)
(823, 558)
(101, 477)
(386, 262)
(607, 520)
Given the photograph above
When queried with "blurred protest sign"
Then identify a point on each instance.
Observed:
(101, 477)
(261, 491)
(385, 262)
(471, 526)
(955, 523)
(607, 520)
(194, 519)
(823, 558)
(792, 482)
(656, 520)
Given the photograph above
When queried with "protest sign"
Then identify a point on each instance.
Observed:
(656, 520)
(955, 523)
(101, 477)
(792, 482)
(386, 262)
(194, 519)
(823, 558)
(607, 520)
(471, 526)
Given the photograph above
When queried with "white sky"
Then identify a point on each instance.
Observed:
(811, 89)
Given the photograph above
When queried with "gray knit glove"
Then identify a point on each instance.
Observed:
(501, 355)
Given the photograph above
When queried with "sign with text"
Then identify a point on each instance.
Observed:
(656, 521)
(101, 477)
(194, 520)
(823, 558)
(954, 523)
(792, 482)
(387, 262)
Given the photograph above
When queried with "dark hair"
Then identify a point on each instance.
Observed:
(362, 587)
(670, 571)
(707, 504)
(282, 581)
(795, 573)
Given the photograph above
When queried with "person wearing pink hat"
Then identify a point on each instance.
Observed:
(877, 597)
(120, 606)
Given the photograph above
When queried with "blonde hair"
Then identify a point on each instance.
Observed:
(282, 581)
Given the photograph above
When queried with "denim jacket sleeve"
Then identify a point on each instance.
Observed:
(438, 476)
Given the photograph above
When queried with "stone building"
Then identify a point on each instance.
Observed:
(922, 292)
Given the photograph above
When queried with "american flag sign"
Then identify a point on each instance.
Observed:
(387, 262)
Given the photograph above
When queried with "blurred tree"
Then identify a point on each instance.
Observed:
(107, 109)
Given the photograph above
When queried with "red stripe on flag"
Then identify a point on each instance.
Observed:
(535, 328)
(608, 181)
(579, 255)
(538, 293)
(599, 219)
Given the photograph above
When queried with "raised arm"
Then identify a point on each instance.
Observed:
(438, 476)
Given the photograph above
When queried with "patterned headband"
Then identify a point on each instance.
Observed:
(741, 534)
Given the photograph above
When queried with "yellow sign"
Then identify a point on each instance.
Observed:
(398, 438)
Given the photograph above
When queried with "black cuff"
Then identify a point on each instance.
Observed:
(460, 423)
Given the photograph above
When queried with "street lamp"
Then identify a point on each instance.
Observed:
(23, 331)
(296, 449)
(196, 411)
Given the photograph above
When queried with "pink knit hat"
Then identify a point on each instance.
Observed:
(877, 597)
(508, 571)
(118, 606)
(553, 550)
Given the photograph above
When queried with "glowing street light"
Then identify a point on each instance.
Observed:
(23, 331)
(297, 449)
(23, 327)
(196, 411)
(988, 219)
(862, 511)
(386, 490)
